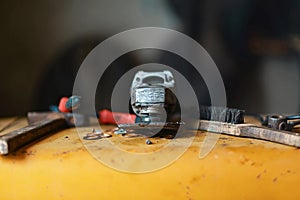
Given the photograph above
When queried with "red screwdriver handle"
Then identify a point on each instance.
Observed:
(108, 117)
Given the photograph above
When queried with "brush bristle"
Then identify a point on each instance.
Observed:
(222, 114)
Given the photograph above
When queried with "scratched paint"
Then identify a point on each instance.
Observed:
(59, 167)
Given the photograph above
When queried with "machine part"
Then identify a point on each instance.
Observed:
(278, 122)
(151, 96)
(281, 122)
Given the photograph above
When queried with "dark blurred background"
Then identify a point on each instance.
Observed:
(255, 44)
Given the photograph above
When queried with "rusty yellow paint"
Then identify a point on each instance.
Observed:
(59, 167)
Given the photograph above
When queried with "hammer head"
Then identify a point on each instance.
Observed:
(72, 119)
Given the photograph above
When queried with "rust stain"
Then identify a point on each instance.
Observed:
(258, 176)
(224, 145)
(195, 179)
(244, 160)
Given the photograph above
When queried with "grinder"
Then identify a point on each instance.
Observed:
(152, 99)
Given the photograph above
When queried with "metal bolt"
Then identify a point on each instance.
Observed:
(148, 141)
(120, 131)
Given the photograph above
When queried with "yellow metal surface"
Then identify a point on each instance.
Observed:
(60, 167)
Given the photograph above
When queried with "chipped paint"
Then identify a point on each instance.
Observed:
(60, 167)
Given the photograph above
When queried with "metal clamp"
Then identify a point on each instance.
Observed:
(151, 95)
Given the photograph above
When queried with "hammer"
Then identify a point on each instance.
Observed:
(40, 125)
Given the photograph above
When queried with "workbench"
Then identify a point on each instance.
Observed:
(60, 167)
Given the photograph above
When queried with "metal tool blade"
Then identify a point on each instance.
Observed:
(14, 140)
(251, 131)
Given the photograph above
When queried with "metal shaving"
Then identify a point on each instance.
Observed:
(96, 135)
